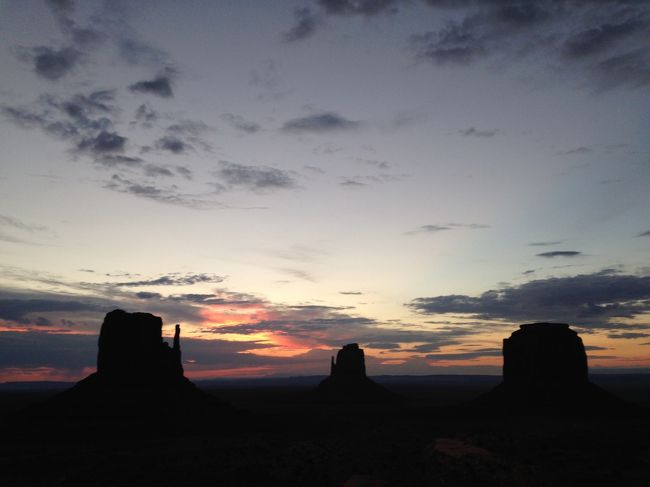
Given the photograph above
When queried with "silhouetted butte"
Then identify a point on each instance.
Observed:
(348, 381)
(545, 370)
(138, 375)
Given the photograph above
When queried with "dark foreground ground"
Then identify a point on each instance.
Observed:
(284, 439)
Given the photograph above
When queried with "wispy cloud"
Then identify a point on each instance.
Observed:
(474, 132)
(173, 279)
(320, 122)
(232, 175)
(445, 227)
(560, 253)
(240, 123)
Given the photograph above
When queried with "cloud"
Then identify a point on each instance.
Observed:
(146, 115)
(160, 86)
(8, 221)
(545, 244)
(445, 227)
(454, 44)
(33, 349)
(644, 234)
(183, 136)
(577, 150)
(358, 7)
(173, 280)
(241, 124)
(82, 37)
(351, 293)
(102, 143)
(472, 355)
(351, 183)
(600, 38)
(54, 64)
(169, 195)
(171, 144)
(320, 122)
(590, 300)
(299, 274)
(560, 253)
(255, 178)
(18, 309)
(603, 42)
(312, 325)
(305, 26)
(84, 120)
(629, 335)
(474, 132)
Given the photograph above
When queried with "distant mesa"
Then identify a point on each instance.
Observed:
(348, 381)
(138, 375)
(545, 369)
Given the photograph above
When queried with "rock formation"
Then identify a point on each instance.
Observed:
(131, 349)
(138, 375)
(348, 381)
(545, 370)
(549, 354)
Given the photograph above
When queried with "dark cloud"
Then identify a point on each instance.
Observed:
(155, 170)
(84, 120)
(359, 7)
(118, 160)
(81, 37)
(630, 68)
(560, 253)
(577, 150)
(603, 41)
(428, 229)
(382, 345)
(630, 335)
(171, 144)
(183, 136)
(19, 309)
(600, 38)
(545, 244)
(474, 132)
(102, 143)
(351, 293)
(240, 123)
(34, 349)
(173, 280)
(444, 227)
(320, 122)
(305, 26)
(474, 354)
(590, 300)
(160, 86)
(454, 44)
(184, 171)
(332, 326)
(54, 64)
(644, 234)
(351, 183)
(256, 178)
(146, 115)
(169, 195)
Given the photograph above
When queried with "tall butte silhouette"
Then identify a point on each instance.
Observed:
(138, 375)
(348, 381)
(545, 370)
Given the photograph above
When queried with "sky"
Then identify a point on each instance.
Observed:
(282, 178)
